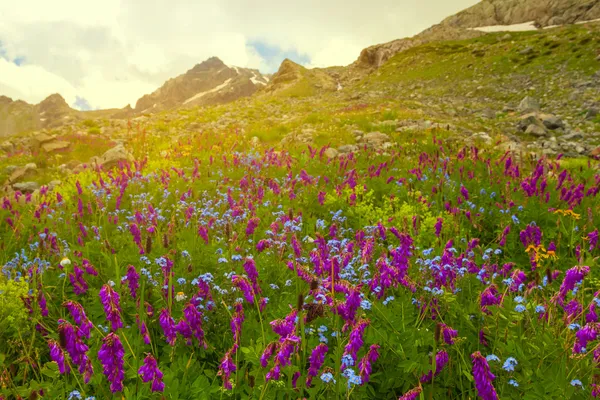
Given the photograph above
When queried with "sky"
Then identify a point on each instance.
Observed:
(107, 54)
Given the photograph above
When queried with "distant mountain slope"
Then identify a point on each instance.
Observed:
(486, 13)
(207, 83)
(510, 12)
(17, 116)
(295, 80)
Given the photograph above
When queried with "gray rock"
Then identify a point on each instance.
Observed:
(482, 136)
(572, 136)
(55, 146)
(529, 104)
(489, 114)
(114, 156)
(348, 148)
(375, 138)
(26, 187)
(526, 51)
(591, 114)
(536, 130)
(552, 122)
(53, 184)
(7, 146)
(331, 153)
(528, 119)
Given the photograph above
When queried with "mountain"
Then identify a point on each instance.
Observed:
(17, 116)
(511, 12)
(294, 80)
(210, 82)
(542, 13)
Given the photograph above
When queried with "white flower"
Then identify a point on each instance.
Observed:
(65, 262)
(180, 296)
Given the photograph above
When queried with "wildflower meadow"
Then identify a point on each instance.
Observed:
(215, 270)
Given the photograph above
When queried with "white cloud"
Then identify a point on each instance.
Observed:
(112, 52)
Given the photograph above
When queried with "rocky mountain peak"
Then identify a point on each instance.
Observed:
(4, 100)
(53, 103)
(209, 82)
(209, 64)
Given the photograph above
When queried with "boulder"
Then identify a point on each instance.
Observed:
(526, 51)
(26, 187)
(528, 119)
(572, 136)
(7, 146)
(348, 148)
(38, 140)
(552, 122)
(482, 136)
(529, 104)
(114, 156)
(535, 130)
(331, 153)
(53, 184)
(375, 138)
(55, 146)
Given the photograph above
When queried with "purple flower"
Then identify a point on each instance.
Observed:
(591, 316)
(267, 354)
(42, 303)
(355, 341)
(132, 281)
(593, 238)
(193, 318)
(438, 226)
(412, 394)
(250, 268)
(150, 372)
(441, 359)
(531, 235)
(79, 284)
(365, 366)
(167, 323)
(586, 334)
(110, 301)
(227, 367)
(143, 330)
(490, 297)
(483, 377)
(464, 192)
(242, 283)
(57, 355)
(316, 360)
(448, 333)
(111, 357)
(78, 313)
(285, 327)
(236, 323)
(572, 277)
(252, 225)
(73, 344)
